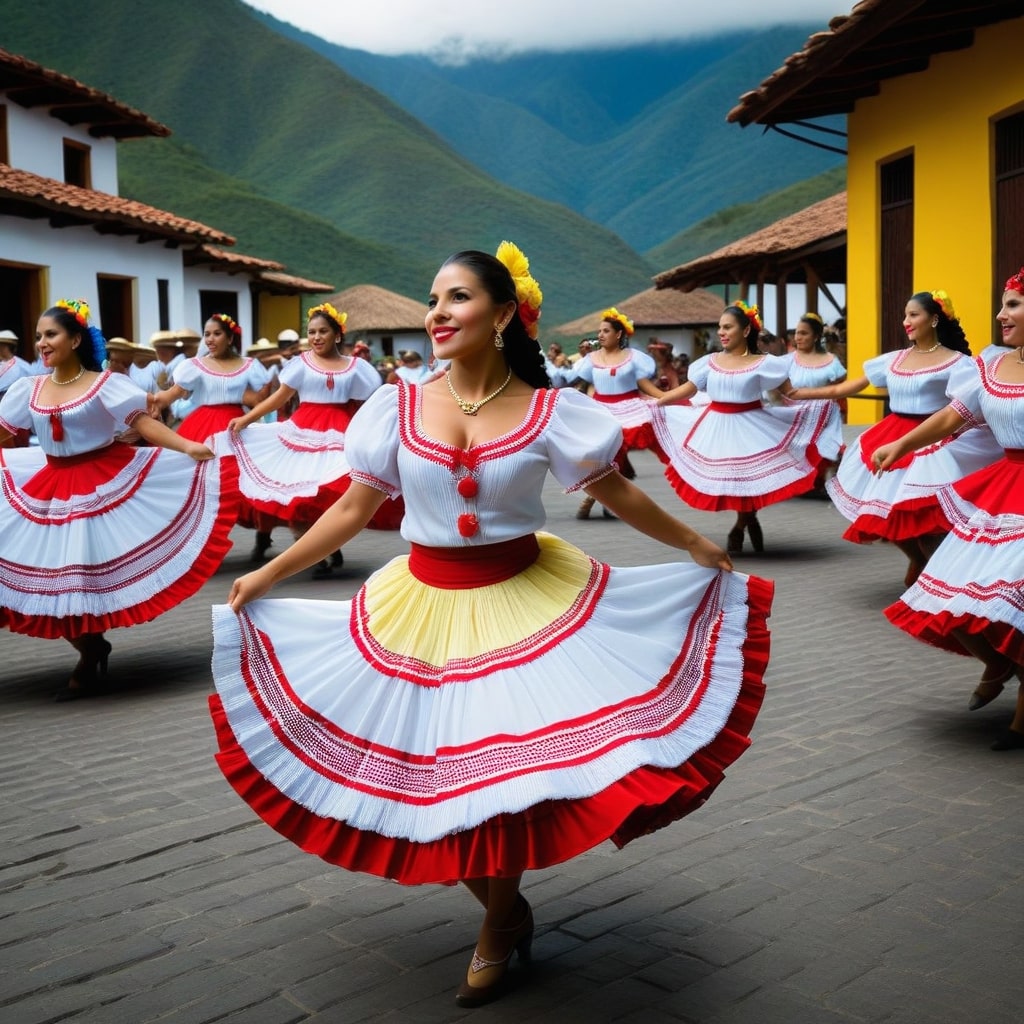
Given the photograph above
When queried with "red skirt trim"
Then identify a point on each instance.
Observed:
(65, 476)
(548, 833)
(188, 583)
(641, 438)
(906, 521)
(937, 630)
(746, 502)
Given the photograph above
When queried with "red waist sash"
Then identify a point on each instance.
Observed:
(624, 397)
(115, 447)
(1014, 454)
(731, 407)
(478, 566)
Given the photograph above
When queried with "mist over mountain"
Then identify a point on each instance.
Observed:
(634, 138)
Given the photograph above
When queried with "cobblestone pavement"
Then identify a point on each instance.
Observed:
(861, 863)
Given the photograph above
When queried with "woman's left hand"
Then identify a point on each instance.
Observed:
(707, 553)
(199, 452)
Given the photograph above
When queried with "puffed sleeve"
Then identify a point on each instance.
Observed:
(875, 369)
(367, 380)
(698, 373)
(584, 370)
(185, 375)
(256, 374)
(14, 410)
(965, 387)
(583, 439)
(122, 398)
(773, 371)
(291, 373)
(836, 371)
(646, 367)
(371, 441)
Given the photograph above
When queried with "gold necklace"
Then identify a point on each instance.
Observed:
(472, 408)
(925, 351)
(70, 380)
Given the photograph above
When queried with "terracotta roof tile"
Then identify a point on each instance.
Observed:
(654, 309)
(236, 260)
(810, 227)
(877, 40)
(289, 284)
(31, 85)
(23, 194)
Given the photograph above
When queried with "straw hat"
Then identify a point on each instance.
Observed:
(121, 345)
(10, 339)
(165, 339)
(262, 347)
(289, 336)
(189, 339)
(143, 355)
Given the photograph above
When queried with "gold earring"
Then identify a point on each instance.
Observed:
(935, 323)
(499, 341)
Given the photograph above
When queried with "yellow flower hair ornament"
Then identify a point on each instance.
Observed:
(78, 308)
(945, 303)
(229, 322)
(813, 316)
(612, 315)
(752, 313)
(528, 293)
(330, 312)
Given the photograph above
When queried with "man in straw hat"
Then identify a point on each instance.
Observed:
(12, 368)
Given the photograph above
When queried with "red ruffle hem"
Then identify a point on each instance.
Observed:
(747, 502)
(937, 630)
(217, 545)
(548, 833)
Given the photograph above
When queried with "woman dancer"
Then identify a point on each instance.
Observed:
(495, 701)
(967, 598)
(810, 366)
(901, 506)
(12, 368)
(218, 385)
(295, 470)
(733, 452)
(97, 533)
(619, 375)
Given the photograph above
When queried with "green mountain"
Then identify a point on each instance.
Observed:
(635, 139)
(745, 218)
(264, 125)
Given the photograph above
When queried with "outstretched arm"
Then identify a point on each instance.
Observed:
(335, 528)
(635, 507)
(685, 390)
(279, 398)
(843, 389)
(939, 425)
(156, 432)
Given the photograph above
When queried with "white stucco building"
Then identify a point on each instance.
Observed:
(65, 231)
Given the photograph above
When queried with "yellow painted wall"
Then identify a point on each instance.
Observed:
(944, 116)
(278, 312)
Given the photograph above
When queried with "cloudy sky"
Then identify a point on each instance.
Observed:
(454, 29)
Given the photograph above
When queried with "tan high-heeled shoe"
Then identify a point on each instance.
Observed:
(583, 512)
(485, 979)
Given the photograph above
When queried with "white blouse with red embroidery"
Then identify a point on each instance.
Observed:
(490, 492)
